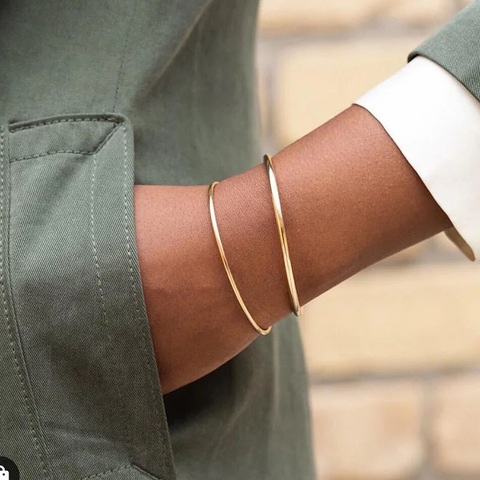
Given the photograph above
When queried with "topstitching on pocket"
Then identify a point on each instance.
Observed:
(77, 297)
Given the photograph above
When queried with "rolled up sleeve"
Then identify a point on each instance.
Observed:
(435, 121)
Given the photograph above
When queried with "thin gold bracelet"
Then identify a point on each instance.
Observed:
(254, 324)
(297, 308)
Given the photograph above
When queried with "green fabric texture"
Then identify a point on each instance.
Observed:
(456, 47)
(96, 96)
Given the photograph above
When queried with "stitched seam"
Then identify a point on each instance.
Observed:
(5, 308)
(119, 384)
(78, 152)
(52, 152)
(122, 60)
(143, 472)
(184, 40)
(134, 290)
(107, 472)
(14, 129)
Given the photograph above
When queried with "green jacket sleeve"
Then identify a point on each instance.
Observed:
(456, 47)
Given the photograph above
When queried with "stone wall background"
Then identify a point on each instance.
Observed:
(394, 352)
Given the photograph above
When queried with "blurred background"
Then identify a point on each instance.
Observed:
(394, 352)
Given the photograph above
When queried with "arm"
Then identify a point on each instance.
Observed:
(349, 199)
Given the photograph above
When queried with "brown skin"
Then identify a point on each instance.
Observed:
(349, 199)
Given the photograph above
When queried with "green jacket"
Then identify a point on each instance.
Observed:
(94, 97)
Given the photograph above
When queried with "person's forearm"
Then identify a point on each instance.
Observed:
(349, 198)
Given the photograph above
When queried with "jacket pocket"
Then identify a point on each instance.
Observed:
(77, 298)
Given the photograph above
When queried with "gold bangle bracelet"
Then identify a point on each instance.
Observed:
(297, 308)
(254, 324)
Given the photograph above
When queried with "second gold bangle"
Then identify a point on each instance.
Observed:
(297, 308)
(255, 325)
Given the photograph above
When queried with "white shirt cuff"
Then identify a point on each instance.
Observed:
(435, 122)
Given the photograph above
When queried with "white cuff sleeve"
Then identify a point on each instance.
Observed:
(435, 122)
